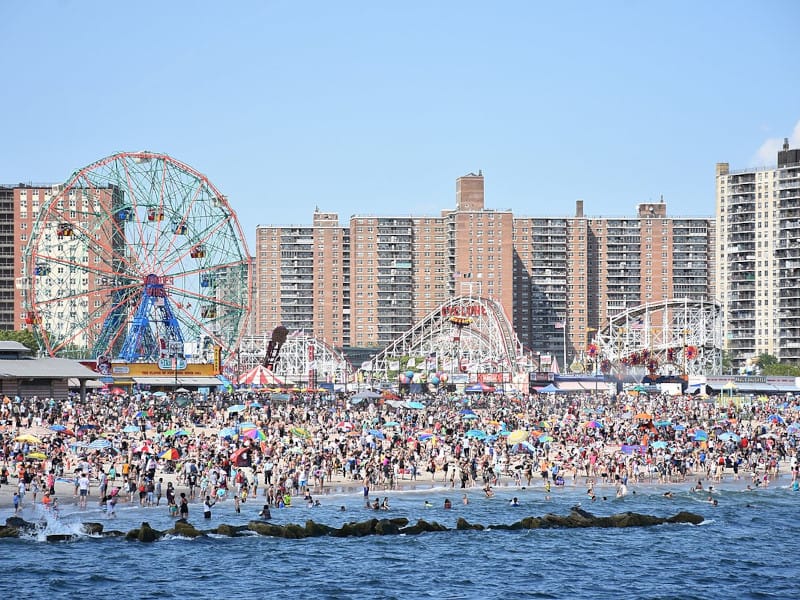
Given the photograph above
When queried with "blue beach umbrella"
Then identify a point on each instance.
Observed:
(659, 445)
(700, 436)
(475, 433)
(131, 429)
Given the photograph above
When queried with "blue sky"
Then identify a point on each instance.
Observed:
(377, 107)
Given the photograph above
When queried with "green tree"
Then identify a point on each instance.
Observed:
(24, 337)
(727, 361)
(766, 360)
(781, 369)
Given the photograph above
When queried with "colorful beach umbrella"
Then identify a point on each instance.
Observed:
(171, 454)
(254, 434)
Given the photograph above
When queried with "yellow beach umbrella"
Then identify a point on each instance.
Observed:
(518, 435)
(300, 432)
(27, 437)
(36, 456)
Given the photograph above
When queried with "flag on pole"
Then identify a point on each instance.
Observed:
(559, 324)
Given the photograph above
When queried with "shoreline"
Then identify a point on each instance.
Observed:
(345, 487)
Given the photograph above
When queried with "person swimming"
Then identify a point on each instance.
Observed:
(514, 501)
(265, 512)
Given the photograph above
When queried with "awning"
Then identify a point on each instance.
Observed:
(171, 381)
(74, 382)
(743, 388)
(783, 389)
(584, 386)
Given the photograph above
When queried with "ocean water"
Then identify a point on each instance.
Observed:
(747, 547)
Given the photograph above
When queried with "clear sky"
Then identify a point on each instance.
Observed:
(376, 107)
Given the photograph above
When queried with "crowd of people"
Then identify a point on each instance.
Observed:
(247, 446)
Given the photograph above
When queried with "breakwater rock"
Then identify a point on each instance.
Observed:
(577, 518)
(399, 526)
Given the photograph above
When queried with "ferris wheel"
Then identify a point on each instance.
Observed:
(137, 257)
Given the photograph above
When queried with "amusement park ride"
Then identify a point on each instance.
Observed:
(139, 264)
(137, 259)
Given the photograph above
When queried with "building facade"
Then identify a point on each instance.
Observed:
(758, 258)
(557, 278)
(573, 273)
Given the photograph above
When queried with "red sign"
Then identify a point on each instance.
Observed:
(469, 310)
(494, 377)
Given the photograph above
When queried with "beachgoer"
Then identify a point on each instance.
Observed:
(447, 503)
(184, 507)
(207, 504)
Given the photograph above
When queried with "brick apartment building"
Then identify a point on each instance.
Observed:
(364, 283)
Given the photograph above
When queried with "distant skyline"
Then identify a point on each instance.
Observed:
(376, 108)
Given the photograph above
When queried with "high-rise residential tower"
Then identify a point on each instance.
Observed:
(758, 258)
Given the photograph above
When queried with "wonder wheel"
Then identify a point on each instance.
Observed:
(137, 257)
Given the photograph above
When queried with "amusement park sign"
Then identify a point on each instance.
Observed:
(467, 310)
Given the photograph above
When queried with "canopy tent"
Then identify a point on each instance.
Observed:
(260, 376)
(549, 389)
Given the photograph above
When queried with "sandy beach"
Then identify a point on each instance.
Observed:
(580, 441)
